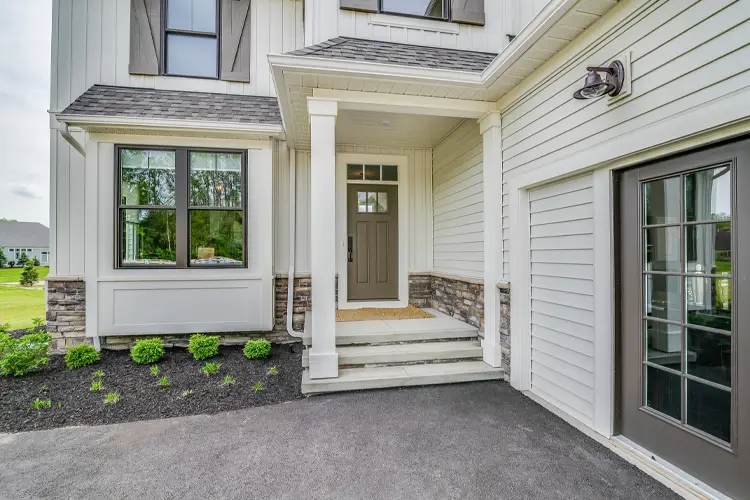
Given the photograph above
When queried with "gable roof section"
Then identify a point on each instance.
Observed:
(128, 102)
(400, 54)
(23, 234)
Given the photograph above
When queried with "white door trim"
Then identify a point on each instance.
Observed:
(342, 159)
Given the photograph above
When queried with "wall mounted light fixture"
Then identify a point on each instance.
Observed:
(595, 86)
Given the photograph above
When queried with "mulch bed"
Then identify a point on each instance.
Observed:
(73, 403)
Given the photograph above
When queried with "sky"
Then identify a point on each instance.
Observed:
(24, 101)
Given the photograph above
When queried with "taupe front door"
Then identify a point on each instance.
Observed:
(684, 318)
(372, 241)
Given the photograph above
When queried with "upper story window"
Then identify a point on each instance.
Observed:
(435, 9)
(191, 38)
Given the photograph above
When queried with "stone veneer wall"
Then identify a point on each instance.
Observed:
(504, 292)
(462, 298)
(421, 290)
(302, 302)
(66, 312)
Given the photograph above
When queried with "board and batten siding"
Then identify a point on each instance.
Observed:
(687, 56)
(419, 169)
(458, 202)
(562, 295)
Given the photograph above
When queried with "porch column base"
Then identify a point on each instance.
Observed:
(492, 354)
(324, 364)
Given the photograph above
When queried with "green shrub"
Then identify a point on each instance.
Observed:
(164, 381)
(96, 385)
(42, 403)
(98, 373)
(203, 346)
(22, 355)
(29, 275)
(4, 327)
(228, 380)
(80, 356)
(259, 387)
(257, 349)
(210, 368)
(147, 351)
(154, 370)
(112, 398)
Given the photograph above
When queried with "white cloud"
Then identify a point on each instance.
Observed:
(24, 100)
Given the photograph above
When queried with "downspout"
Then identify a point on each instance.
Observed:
(292, 231)
(65, 132)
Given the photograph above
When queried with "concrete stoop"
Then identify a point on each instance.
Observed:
(382, 354)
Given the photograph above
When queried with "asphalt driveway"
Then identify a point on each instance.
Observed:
(470, 441)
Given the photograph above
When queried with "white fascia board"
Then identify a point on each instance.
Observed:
(364, 69)
(86, 121)
(409, 104)
(530, 34)
(287, 116)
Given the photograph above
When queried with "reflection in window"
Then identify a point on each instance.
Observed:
(372, 202)
(148, 177)
(149, 237)
(215, 238)
(191, 38)
(421, 8)
(215, 179)
(687, 299)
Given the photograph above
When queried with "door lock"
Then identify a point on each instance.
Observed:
(350, 251)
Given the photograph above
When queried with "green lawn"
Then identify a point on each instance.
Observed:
(12, 275)
(19, 306)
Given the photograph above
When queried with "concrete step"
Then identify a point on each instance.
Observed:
(404, 353)
(352, 379)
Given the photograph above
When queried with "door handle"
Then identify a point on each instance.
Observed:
(350, 251)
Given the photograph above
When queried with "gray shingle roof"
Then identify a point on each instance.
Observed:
(357, 49)
(23, 234)
(102, 100)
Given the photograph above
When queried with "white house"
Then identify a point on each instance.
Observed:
(30, 238)
(382, 153)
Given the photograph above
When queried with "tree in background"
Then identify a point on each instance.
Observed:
(29, 275)
(23, 259)
(11, 263)
(36, 262)
(3, 259)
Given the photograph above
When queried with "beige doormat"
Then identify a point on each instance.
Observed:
(375, 313)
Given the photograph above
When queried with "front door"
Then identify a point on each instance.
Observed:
(684, 319)
(372, 252)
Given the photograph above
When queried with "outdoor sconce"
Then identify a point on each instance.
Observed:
(595, 86)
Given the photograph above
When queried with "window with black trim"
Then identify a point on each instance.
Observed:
(191, 38)
(181, 208)
(433, 9)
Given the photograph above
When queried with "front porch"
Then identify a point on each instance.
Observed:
(402, 352)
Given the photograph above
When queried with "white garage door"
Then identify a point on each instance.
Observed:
(562, 295)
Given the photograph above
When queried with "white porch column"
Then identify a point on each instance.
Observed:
(489, 126)
(324, 362)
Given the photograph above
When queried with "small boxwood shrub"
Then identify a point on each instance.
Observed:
(80, 356)
(19, 356)
(203, 346)
(147, 351)
(257, 349)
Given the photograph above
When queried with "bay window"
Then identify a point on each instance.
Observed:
(181, 208)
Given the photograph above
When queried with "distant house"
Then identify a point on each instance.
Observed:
(31, 238)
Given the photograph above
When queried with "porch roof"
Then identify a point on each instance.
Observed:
(357, 49)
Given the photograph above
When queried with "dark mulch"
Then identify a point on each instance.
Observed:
(142, 398)
(20, 333)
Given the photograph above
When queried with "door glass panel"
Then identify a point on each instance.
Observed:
(709, 356)
(661, 201)
(354, 172)
(708, 248)
(691, 293)
(709, 409)
(382, 202)
(708, 195)
(709, 302)
(361, 201)
(662, 249)
(663, 392)
(372, 202)
(662, 297)
(663, 344)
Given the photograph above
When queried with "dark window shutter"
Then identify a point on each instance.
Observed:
(467, 11)
(235, 40)
(361, 5)
(145, 36)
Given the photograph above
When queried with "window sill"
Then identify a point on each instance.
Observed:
(413, 23)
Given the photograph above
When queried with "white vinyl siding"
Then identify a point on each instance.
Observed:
(458, 202)
(419, 169)
(686, 55)
(562, 295)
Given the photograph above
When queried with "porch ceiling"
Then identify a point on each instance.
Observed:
(297, 74)
(392, 129)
